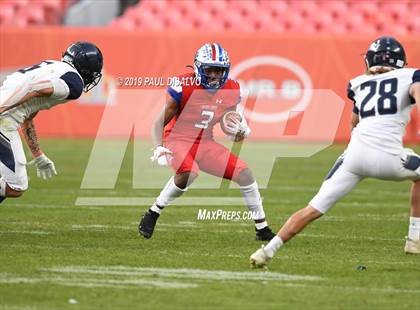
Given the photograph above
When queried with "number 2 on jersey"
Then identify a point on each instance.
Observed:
(207, 118)
(385, 95)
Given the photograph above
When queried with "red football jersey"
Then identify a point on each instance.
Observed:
(199, 109)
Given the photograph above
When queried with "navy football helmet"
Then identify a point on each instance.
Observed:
(87, 59)
(386, 52)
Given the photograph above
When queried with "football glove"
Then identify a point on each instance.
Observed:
(45, 167)
(161, 155)
(411, 161)
(235, 126)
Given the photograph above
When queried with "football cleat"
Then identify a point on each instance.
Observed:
(147, 224)
(259, 258)
(412, 246)
(264, 234)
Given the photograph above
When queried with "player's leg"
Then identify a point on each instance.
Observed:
(217, 160)
(339, 182)
(250, 192)
(407, 167)
(186, 168)
(13, 177)
(176, 186)
(412, 244)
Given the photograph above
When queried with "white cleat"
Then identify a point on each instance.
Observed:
(412, 246)
(259, 258)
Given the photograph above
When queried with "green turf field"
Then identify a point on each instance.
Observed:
(56, 255)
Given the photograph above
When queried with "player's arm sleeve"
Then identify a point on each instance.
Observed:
(15, 93)
(350, 95)
(415, 79)
(175, 91)
(69, 86)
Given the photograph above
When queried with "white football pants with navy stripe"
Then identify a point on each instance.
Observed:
(358, 162)
(12, 160)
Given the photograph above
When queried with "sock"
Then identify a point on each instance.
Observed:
(156, 208)
(253, 201)
(272, 247)
(2, 190)
(414, 228)
(167, 195)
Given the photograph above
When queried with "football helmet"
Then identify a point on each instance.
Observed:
(87, 59)
(385, 52)
(211, 66)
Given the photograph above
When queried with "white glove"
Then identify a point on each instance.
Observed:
(45, 167)
(235, 126)
(162, 155)
(411, 161)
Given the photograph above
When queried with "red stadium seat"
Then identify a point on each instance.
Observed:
(274, 7)
(153, 6)
(336, 8)
(183, 7)
(124, 23)
(32, 12)
(7, 13)
(297, 16)
(244, 7)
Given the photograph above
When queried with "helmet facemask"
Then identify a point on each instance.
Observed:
(91, 80)
(212, 76)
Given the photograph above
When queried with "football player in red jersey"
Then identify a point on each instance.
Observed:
(183, 136)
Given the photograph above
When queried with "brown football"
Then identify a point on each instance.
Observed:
(229, 116)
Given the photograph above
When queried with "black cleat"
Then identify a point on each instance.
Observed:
(264, 234)
(147, 224)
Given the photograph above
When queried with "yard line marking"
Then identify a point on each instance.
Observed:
(146, 201)
(44, 206)
(187, 223)
(93, 282)
(30, 232)
(358, 191)
(184, 273)
(350, 237)
(24, 307)
(97, 226)
(374, 204)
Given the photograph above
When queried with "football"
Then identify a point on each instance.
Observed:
(229, 118)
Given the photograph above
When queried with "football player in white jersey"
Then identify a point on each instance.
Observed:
(26, 92)
(383, 98)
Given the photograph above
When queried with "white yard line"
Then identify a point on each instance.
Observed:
(29, 232)
(147, 201)
(22, 307)
(93, 282)
(344, 237)
(185, 273)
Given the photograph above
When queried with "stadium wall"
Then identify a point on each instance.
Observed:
(262, 62)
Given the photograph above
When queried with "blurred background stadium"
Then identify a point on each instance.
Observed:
(56, 253)
(319, 41)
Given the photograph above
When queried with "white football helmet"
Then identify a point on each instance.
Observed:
(211, 66)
